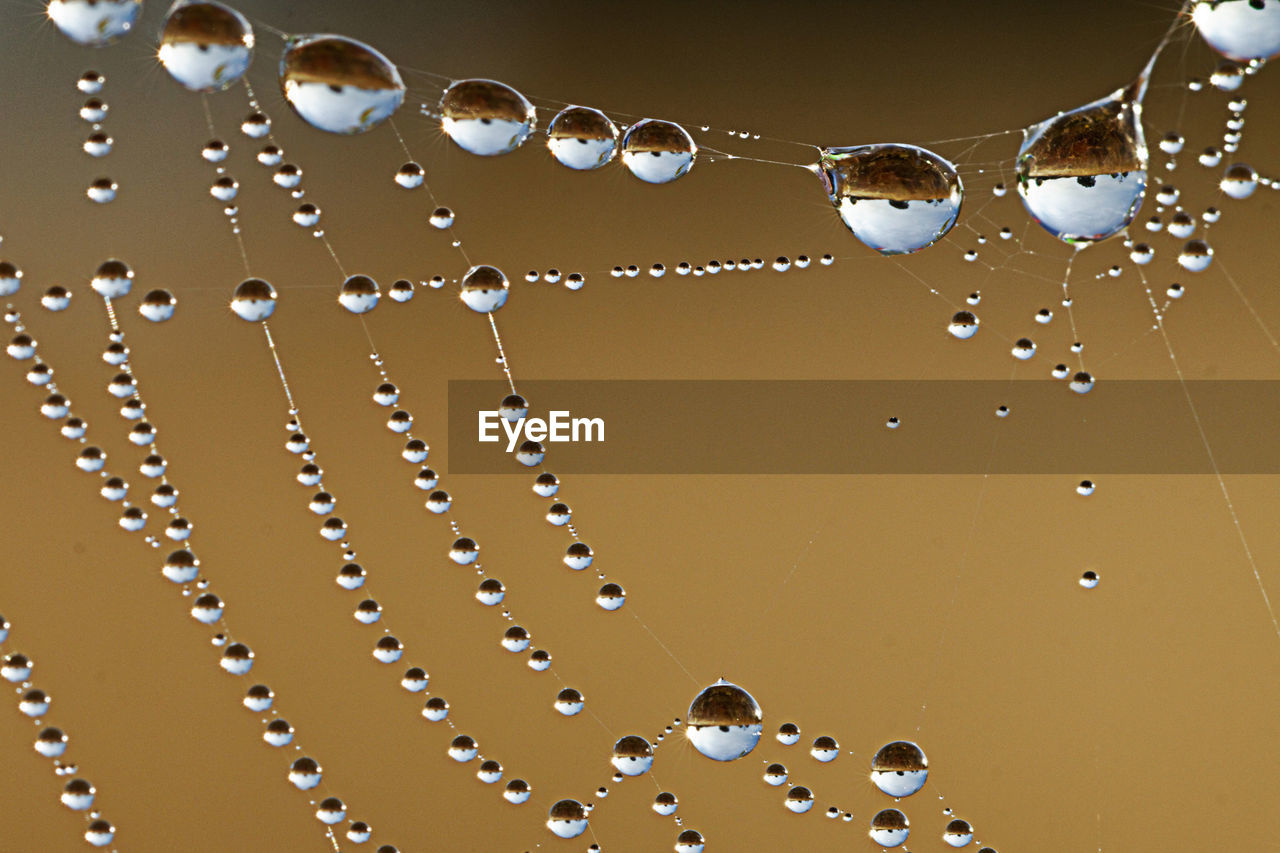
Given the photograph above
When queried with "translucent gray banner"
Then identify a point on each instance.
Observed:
(842, 427)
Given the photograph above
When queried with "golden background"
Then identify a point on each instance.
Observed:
(1137, 716)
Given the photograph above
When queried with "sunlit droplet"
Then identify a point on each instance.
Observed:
(339, 85)
(582, 138)
(486, 117)
(895, 198)
(206, 46)
(658, 152)
(94, 22)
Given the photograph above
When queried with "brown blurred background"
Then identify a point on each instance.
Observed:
(1136, 716)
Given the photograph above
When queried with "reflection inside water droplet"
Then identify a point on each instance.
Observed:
(894, 198)
(338, 84)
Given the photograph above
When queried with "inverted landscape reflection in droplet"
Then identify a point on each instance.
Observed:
(899, 769)
(657, 151)
(339, 85)
(206, 46)
(895, 198)
(1082, 174)
(724, 722)
(94, 22)
(486, 117)
(1239, 29)
(582, 138)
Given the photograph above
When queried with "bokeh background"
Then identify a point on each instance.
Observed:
(942, 609)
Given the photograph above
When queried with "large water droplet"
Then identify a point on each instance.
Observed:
(486, 117)
(567, 818)
(338, 84)
(359, 294)
(484, 289)
(94, 22)
(724, 722)
(658, 151)
(1082, 174)
(895, 198)
(113, 279)
(582, 138)
(899, 769)
(206, 46)
(254, 300)
(1239, 29)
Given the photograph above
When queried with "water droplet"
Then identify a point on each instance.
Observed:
(611, 596)
(799, 799)
(1239, 181)
(441, 217)
(388, 649)
(94, 23)
(889, 828)
(359, 294)
(1227, 77)
(899, 769)
(690, 841)
(1089, 579)
(237, 659)
(486, 117)
(958, 833)
(254, 300)
(224, 188)
(539, 660)
(825, 748)
(963, 325)
(1082, 173)
(1175, 291)
(338, 84)
(582, 138)
(566, 819)
(665, 803)
(516, 639)
(1239, 30)
(788, 734)
(894, 198)
(305, 773)
(724, 722)
(206, 46)
(484, 289)
(1181, 225)
(775, 775)
(657, 151)
(158, 306)
(270, 155)
(1196, 255)
(569, 702)
(1081, 383)
(98, 144)
(91, 82)
(102, 191)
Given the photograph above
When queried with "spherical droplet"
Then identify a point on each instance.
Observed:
(486, 117)
(338, 84)
(632, 756)
(889, 828)
(1089, 579)
(441, 217)
(899, 769)
(724, 722)
(567, 818)
(517, 791)
(1240, 180)
(359, 294)
(775, 775)
(569, 702)
(582, 138)
(799, 800)
(305, 773)
(484, 289)
(665, 803)
(611, 596)
(410, 176)
(958, 833)
(463, 748)
(894, 198)
(102, 191)
(963, 325)
(690, 841)
(94, 22)
(206, 46)
(158, 306)
(658, 152)
(825, 748)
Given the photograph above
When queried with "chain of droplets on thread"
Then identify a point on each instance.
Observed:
(502, 357)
